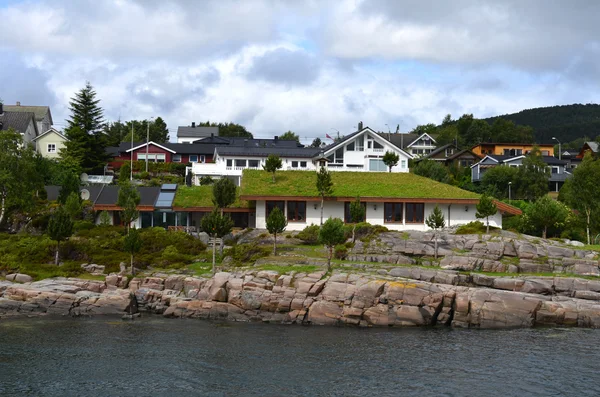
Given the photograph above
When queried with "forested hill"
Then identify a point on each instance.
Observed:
(566, 122)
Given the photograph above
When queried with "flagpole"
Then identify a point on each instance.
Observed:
(131, 168)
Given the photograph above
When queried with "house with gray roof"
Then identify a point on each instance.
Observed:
(42, 115)
(189, 134)
(22, 122)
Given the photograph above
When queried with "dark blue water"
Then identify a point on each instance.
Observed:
(159, 357)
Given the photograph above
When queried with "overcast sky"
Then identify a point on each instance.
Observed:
(312, 67)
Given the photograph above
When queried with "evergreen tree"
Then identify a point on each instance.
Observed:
(435, 221)
(316, 142)
(224, 193)
(330, 235)
(547, 212)
(132, 243)
(105, 218)
(73, 206)
(128, 200)
(431, 169)
(272, 164)
(276, 224)
(390, 159)
(216, 226)
(70, 184)
(290, 136)
(86, 112)
(324, 186)
(60, 227)
(533, 176)
(357, 214)
(485, 209)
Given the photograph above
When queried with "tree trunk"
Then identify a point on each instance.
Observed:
(274, 244)
(322, 199)
(329, 258)
(2, 208)
(487, 225)
(214, 250)
(273, 177)
(544, 232)
(132, 270)
(57, 249)
(353, 233)
(390, 168)
(587, 212)
(435, 245)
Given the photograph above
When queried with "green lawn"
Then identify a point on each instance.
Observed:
(350, 184)
(201, 196)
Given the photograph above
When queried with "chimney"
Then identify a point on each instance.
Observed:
(245, 142)
(1, 108)
(360, 125)
(18, 103)
(212, 135)
(276, 138)
(193, 124)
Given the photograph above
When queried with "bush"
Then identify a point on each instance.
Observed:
(309, 235)
(475, 227)
(206, 180)
(247, 253)
(82, 225)
(364, 230)
(341, 251)
(171, 257)
(512, 223)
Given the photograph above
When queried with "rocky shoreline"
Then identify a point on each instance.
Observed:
(376, 293)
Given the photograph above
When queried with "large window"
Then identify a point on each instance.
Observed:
(253, 163)
(51, 148)
(152, 157)
(339, 155)
(360, 144)
(296, 211)
(294, 164)
(350, 147)
(392, 212)
(273, 204)
(229, 162)
(177, 158)
(193, 158)
(240, 163)
(347, 217)
(415, 212)
(377, 165)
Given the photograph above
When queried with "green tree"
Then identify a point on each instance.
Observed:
(431, 169)
(547, 212)
(357, 214)
(324, 186)
(132, 243)
(60, 227)
(449, 134)
(70, 184)
(128, 200)
(533, 176)
(276, 224)
(87, 141)
(19, 179)
(496, 179)
(447, 120)
(316, 142)
(229, 129)
(424, 129)
(583, 190)
(290, 136)
(390, 159)
(73, 206)
(435, 221)
(224, 193)
(272, 164)
(330, 235)
(479, 131)
(105, 218)
(216, 226)
(486, 208)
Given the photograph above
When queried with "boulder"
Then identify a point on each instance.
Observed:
(19, 278)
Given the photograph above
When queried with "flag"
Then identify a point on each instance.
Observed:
(327, 136)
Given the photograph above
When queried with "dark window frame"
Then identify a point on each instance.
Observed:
(293, 211)
(347, 211)
(415, 213)
(391, 208)
(278, 203)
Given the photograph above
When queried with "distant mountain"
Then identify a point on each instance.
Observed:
(566, 122)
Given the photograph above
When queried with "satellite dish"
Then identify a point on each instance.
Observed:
(83, 177)
(85, 194)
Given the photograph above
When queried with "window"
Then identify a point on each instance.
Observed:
(294, 164)
(377, 165)
(360, 144)
(392, 212)
(303, 164)
(403, 164)
(253, 163)
(555, 170)
(350, 147)
(177, 158)
(296, 211)
(193, 158)
(449, 152)
(240, 163)
(377, 145)
(273, 204)
(545, 153)
(203, 159)
(160, 158)
(152, 157)
(415, 212)
(347, 217)
(229, 163)
(339, 156)
(51, 148)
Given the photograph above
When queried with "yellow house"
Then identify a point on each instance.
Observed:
(50, 143)
(511, 149)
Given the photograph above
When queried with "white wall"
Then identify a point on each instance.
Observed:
(375, 216)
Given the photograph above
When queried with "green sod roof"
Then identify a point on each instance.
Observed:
(350, 184)
(201, 196)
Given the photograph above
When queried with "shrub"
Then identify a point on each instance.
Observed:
(341, 251)
(245, 253)
(310, 234)
(171, 257)
(475, 227)
(364, 230)
(206, 180)
(82, 225)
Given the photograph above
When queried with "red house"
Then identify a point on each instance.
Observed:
(162, 153)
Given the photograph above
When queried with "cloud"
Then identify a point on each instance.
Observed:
(22, 82)
(285, 66)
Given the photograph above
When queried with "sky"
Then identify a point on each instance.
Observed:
(313, 67)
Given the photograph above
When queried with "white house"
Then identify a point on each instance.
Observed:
(398, 201)
(189, 134)
(361, 151)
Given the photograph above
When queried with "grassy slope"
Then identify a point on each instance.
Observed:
(349, 184)
(201, 196)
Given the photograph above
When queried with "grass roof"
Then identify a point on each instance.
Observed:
(201, 196)
(350, 184)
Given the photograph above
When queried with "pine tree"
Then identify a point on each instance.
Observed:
(132, 243)
(85, 111)
(324, 186)
(128, 200)
(70, 184)
(485, 209)
(272, 164)
(330, 235)
(276, 223)
(357, 214)
(216, 226)
(224, 193)
(60, 227)
(435, 221)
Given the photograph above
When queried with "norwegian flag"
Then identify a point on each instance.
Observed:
(327, 136)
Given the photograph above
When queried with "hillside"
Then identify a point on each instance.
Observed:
(566, 122)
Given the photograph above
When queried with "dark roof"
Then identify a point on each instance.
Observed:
(19, 121)
(265, 151)
(38, 111)
(400, 140)
(179, 148)
(458, 154)
(439, 150)
(550, 160)
(108, 195)
(52, 192)
(196, 132)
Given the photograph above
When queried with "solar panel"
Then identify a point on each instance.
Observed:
(165, 199)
